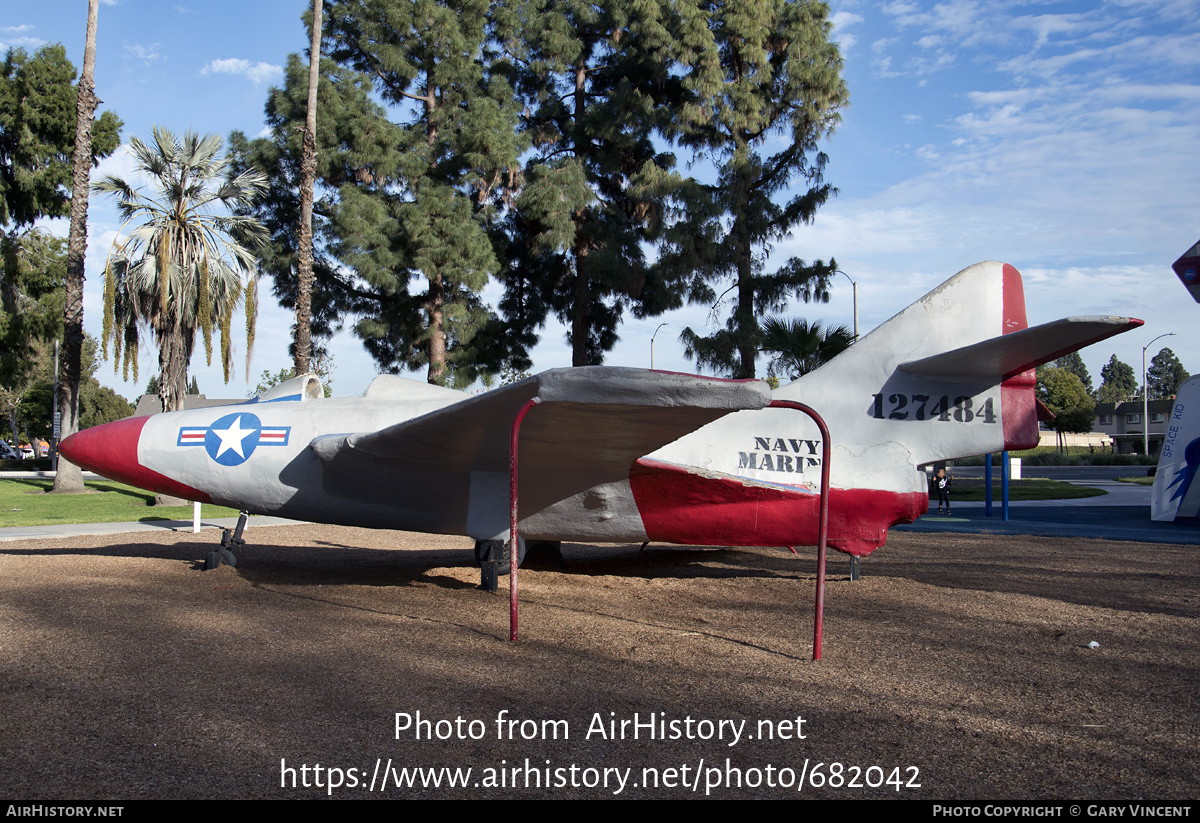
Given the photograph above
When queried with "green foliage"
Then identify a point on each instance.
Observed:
(404, 191)
(1073, 363)
(33, 266)
(31, 411)
(1118, 382)
(1165, 375)
(764, 88)
(1065, 395)
(598, 80)
(356, 150)
(181, 268)
(800, 347)
(322, 364)
(534, 140)
(37, 135)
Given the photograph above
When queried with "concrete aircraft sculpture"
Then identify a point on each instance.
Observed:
(628, 455)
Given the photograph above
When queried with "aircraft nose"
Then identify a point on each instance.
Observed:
(111, 450)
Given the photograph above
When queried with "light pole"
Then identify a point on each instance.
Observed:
(1146, 397)
(854, 287)
(656, 331)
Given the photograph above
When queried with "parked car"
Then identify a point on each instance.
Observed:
(7, 452)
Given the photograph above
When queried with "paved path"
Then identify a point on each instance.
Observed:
(1122, 514)
(64, 530)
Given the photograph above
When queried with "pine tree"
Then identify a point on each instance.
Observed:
(403, 191)
(356, 156)
(1118, 382)
(768, 70)
(431, 62)
(1073, 363)
(597, 80)
(1165, 375)
(37, 135)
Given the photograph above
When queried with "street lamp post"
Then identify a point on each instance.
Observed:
(854, 288)
(1146, 396)
(656, 331)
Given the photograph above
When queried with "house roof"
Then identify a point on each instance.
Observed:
(150, 404)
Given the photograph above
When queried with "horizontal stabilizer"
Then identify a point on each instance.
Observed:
(1010, 354)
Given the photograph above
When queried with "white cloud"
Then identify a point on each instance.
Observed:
(27, 27)
(257, 72)
(148, 54)
(1046, 25)
(912, 119)
(841, 21)
(21, 43)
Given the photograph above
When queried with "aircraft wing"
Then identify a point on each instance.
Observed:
(590, 427)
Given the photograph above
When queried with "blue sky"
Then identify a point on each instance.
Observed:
(1060, 137)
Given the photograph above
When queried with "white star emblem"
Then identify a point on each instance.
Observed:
(232, 437)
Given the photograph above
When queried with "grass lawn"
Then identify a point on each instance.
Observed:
(24, 502)
(1033, 489)
(1141, 481)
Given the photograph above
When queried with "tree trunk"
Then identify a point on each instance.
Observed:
(69, 478)
(580, 320)
(12, 426)
(173, 359)
(745, 322)
(172, 362)
(579, 317)
(308, 174)
(437, 331)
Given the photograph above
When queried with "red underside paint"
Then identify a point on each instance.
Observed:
(112, 450)
(1017, 401)
(679, 506)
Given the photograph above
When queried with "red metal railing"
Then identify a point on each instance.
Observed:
(822, 527)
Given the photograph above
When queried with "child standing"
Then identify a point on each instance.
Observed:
(940, 485)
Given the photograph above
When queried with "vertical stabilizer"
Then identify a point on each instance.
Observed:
(1176, 494)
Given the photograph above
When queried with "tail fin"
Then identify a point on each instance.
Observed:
(963, 353)
(950, 376)
(1175, 492)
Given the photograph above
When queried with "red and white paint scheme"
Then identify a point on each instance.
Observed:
(628, 455)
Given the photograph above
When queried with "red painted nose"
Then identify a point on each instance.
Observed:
(111, 450)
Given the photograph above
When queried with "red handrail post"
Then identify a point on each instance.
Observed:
(823, 523)
(515, 551)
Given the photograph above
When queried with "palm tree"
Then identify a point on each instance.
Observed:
(68, 478)
(799, 347)
(189, 262)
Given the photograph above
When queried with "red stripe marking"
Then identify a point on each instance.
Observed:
(679, 506)
(111, 450)
(1018, 407)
